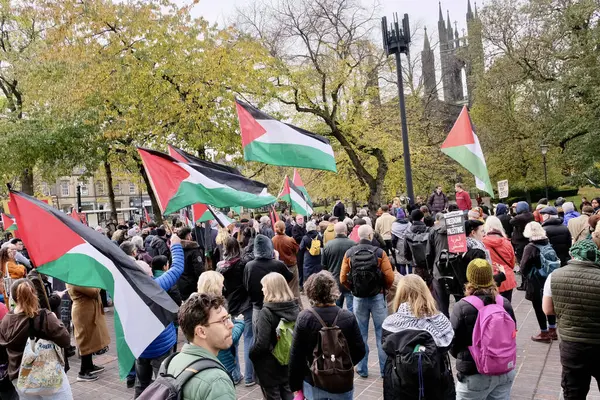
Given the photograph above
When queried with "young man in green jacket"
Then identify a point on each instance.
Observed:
(207, 326)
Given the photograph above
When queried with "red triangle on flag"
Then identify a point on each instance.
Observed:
(198, 211)
(173, 153)
(250, 128)
(462, 131)
(286, 188)
(42, 247)
(297, 180)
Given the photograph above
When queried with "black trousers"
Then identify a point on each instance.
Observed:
(579, 364)
(507, 294)
(442, 298)
(146, 369)
(87, 364)
(389, 249)
(281, 392)
(536, 302)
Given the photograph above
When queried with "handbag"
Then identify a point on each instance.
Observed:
(41, 371)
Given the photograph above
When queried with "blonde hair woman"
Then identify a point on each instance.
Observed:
(211, 283)
(416, 322)
(279, 304)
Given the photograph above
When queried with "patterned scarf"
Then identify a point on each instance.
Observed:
(438, 326)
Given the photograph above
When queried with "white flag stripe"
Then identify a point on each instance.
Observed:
(298, 199)
(140, 325)
(280, 133)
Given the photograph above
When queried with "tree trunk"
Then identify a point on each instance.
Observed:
(111, 191)
(27, 181)
(375, 193)
(155, 207)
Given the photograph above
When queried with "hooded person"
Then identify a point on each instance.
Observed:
(558, 234)
(570, 213)
(399, 229)
(523, 217)
(311, 262)
(504, 217)
(264, 263)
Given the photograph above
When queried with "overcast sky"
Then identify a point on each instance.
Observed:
(421, 12)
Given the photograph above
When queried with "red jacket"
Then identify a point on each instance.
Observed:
(463, 201)
(502, 253)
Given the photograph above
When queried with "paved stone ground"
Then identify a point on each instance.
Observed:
(538, 374)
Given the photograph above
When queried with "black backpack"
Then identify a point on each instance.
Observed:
(418, 246)
(416, 368)
(169, 387)
(365, 274)
(453, 273)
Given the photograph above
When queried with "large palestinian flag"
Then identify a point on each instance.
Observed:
(270, 141)
(294, 196)
(9, 223)
(462, 145)
(300, 185)
(178, 184)
(182, 156)
(72, 252)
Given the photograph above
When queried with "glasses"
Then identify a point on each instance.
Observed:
(225, 321)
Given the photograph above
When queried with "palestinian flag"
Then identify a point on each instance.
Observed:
(9, 223)
(300, 185)
(178, 184)
(182, 156)
(204, 213)
(270, 141)
(74, 253)
(462, 145)
(291, 194)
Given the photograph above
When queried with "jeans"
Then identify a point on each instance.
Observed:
(579, 364)
(248, 342)
(404, 268)
(364, 308)
(280, 392)
(349, 301)
(485, 387)
(314, 393)
(145, 371)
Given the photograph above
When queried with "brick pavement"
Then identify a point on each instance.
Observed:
(538, 373)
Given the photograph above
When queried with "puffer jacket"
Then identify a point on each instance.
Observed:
(310, 264)
(158, 247)
(437, 202)
(268, 370)
(399, 229)
(306, 336)
(560, 238)
(518, 240)
(463, 319)
(502, 253)
(168, 337)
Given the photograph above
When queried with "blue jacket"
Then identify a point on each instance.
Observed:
(569, 216)
(167, 339)
(227, 357)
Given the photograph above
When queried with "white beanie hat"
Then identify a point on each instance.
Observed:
(568, 207)
(534, 231)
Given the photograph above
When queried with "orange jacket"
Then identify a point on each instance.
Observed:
(15, 270)
(382, 260)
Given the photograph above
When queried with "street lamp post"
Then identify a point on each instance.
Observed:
(396, 41)
(544, 148)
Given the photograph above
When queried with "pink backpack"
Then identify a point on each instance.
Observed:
(494, 346)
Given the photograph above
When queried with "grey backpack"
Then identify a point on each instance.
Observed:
(169, 387)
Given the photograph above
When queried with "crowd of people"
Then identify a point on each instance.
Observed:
(394, 267)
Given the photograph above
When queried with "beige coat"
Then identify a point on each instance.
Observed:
(579, 228)
(383, 225)
(91, 332)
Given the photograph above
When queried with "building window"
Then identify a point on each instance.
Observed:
(100, 188)
(131, 188)
(64, 188)
(84, 189)
(118, 188)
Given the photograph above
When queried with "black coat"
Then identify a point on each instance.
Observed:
(237, 297)
(192, 268)
(463, 319)
(333, 255)
(158, 247)
(339, 211)
(530, 261)
(256, 270)
(505, 220)
(298, 233)
(518, 240)
(306, 335)
(560, 238)
(268, 370)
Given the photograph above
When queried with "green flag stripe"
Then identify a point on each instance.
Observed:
(471, 162)
(289, 155)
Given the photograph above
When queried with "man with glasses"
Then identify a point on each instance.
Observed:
(208, 327)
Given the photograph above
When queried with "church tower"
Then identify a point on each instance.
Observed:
(428, 69)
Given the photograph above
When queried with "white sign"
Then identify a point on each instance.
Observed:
(503, 189)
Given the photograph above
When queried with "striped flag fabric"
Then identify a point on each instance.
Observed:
(294, 196)
(185, 157)
(74, 253)
(178, 184)
(9, 223)
(298, 182)
(270, 141)
(462, 145)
